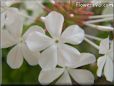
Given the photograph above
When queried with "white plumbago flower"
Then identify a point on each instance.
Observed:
(10, 2)
(34, 7)
(106, 61)
(55, 51)
(20, 51)
(62, 75)
(11, 23)
(11, 35)
(3, 6)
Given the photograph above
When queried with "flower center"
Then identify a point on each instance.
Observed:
(4, 27)
(20, 40)
(56, 41)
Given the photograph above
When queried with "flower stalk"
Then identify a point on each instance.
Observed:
(99, 27)
(100, 16)
(100, 20)
(93, 37)
(91, 43)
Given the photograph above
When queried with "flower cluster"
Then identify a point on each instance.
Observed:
(71, 11)
(52, 48)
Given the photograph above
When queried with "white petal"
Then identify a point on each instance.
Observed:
(7, 39)
(37, 41)
(10, 15)
(30, 57)
(2, 19)
(14, 22)
(54, 22)
(110, 53)
(67, 55)
(84, 59)
(11, 27)
(108, 69)
(104, 46)
(48, 76)
(64, 79)
(33, 29)
(100, 63)
(15, 57)
(73, 35)
(82, 76)
(112, 45)
(48, 58)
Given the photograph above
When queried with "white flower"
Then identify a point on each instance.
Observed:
(10, 2)
(55, 51)
(34, 7)
(11, 35)
(11, 27)
(106, 61)
(62, 75)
